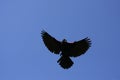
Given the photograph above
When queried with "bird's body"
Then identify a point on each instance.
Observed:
(65, 49)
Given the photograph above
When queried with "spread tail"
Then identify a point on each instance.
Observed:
(65, 62)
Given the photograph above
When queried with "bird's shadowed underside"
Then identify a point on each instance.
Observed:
(65, 49)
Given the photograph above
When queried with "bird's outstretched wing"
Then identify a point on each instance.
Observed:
(79, 47)
(51, 43)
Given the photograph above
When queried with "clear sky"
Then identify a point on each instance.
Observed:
(23, 55)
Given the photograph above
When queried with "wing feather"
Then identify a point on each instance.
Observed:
(79, 47)
(51, 43)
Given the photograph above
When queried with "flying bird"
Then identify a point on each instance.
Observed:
(65, 49)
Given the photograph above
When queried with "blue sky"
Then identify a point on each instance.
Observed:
(23, 55)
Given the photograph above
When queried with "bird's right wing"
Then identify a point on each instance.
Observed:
(51, 43)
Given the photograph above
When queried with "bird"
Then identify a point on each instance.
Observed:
(65, 49)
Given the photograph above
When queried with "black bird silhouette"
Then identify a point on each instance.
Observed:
(65, 49)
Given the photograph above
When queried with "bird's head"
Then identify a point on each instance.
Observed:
(64, 40)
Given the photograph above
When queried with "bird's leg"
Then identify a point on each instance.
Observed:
(60, 58)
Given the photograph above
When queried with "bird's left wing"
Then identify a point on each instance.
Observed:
(79, 47)
(51, 43)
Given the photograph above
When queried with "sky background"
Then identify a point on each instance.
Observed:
(23, 55)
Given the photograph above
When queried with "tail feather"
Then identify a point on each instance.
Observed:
(65, 62)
